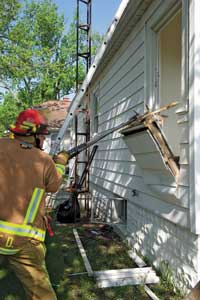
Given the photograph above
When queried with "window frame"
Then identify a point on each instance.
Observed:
(152, 28)
(95, 111)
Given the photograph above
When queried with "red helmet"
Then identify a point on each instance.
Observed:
(29, 122)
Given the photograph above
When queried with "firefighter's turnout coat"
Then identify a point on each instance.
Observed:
(26, 173)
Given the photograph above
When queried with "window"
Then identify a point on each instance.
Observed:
(95, 112)
(107, 209)
(169, 72)
(164, 69)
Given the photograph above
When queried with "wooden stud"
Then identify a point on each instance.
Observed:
(83, 253)
(140, 263)
(122, 277)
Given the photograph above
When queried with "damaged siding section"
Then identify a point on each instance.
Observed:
(153, 142)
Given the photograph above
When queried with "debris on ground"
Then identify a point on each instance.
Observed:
(105, 251)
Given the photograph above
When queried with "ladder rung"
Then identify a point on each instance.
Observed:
(84, 1)
(84, 55)
(81, 133)
(84, 191)
(84, 27)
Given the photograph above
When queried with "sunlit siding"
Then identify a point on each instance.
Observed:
(121, 94)
(158, 220)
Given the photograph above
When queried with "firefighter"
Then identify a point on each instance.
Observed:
(26, 173)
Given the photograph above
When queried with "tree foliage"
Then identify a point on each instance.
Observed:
(37, 54)
(8, 112)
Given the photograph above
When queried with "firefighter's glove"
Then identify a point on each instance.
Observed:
(62, 158)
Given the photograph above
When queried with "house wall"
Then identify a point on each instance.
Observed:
(50, 139)
(158, 216)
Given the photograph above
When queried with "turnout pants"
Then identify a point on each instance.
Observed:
(29, 266)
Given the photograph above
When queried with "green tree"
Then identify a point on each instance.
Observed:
(38, 62)
(8, 15)
(37, 55)
(32, 46)
(8, 112)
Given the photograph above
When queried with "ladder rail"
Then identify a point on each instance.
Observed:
(83, 89)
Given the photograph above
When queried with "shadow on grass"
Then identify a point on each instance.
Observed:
(63, 260)
(64, 263)
(10, 286)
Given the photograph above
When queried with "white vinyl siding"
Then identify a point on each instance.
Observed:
(121, 94)
(162, 211)
(194, 114)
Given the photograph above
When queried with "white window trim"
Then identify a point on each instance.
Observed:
(161, 17)
(190, 86)
(163, 14)
(190, 93)
(194, 114)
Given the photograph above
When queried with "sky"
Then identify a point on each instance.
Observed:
(103, 12)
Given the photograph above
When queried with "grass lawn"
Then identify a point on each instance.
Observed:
(105, 251)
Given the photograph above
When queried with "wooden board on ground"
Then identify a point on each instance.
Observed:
(83, 253)
(121, 277)
(140, 263)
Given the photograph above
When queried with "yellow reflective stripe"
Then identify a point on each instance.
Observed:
(33, 206)
(60, 168)
(22, 230)
(8, 251)
(28, 125)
